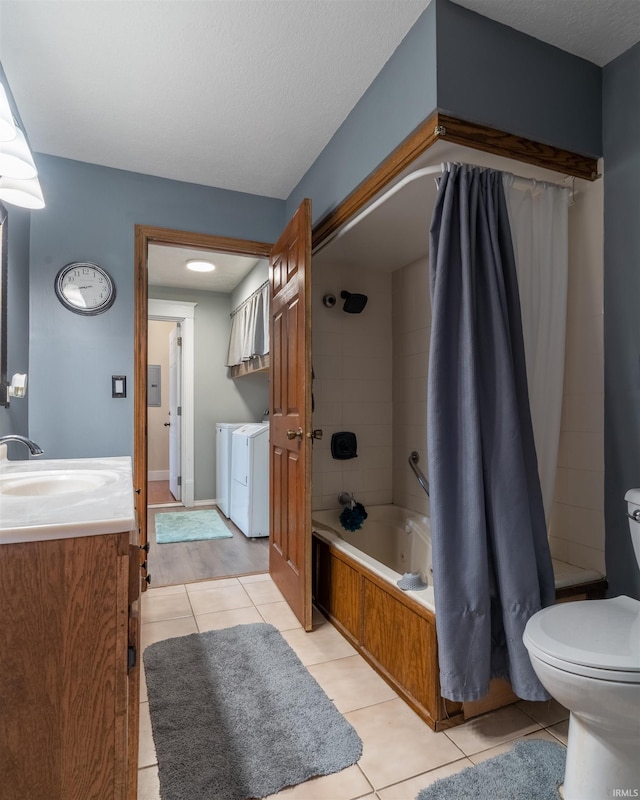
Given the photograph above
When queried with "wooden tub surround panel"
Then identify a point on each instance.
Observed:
(397, 635)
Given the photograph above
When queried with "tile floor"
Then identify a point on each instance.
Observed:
(401, 753)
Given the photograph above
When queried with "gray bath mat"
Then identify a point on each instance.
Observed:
(532, 770)
(235, 715)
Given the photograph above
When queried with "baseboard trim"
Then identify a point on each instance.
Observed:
(158, 475)
(205, 502)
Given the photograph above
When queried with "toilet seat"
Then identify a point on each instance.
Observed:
(594, 638)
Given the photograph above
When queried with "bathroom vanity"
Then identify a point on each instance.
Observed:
(69, 630)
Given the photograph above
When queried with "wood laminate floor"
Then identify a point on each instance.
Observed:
(184, 562)
(159, 492)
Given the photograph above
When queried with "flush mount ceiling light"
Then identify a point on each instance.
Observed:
(201, 266)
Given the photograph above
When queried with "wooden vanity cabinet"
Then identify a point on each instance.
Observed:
(69, 674)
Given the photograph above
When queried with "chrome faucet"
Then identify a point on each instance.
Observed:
(34, 449)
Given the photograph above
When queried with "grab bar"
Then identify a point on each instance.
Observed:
(414, 458)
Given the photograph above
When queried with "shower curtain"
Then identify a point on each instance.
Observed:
(538, 217)
(491, 560)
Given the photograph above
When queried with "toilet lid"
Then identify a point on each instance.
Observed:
(597, 634)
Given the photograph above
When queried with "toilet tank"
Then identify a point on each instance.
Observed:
(633, 512)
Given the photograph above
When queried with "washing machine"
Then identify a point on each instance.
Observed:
(223, 464)
(250, 479)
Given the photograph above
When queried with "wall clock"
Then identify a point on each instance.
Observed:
(85, 288)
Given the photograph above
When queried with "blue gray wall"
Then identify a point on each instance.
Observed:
(621, 134)
(90, 215)
(494, 75)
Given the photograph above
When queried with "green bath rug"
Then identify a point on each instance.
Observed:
(190, 526)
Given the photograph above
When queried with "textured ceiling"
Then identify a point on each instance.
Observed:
(596, 30)
(239, 94)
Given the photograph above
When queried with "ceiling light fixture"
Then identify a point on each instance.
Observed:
(200, 266)
(19, 184)
(7, 125)
(23, 193)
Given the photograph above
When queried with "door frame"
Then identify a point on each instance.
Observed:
(144, 235)
(184, 313)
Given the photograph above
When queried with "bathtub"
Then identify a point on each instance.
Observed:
(355, 575)
(354, 578)
(391, 542)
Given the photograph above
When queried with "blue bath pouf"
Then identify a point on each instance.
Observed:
(352, 519)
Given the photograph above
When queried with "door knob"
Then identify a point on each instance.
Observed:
(167, 424)
(294, 434)
(315, 434)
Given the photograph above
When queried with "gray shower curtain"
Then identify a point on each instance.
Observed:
(491, 561)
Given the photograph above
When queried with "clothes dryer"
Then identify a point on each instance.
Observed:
(250, 479)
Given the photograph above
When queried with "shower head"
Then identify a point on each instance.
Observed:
(353, 303)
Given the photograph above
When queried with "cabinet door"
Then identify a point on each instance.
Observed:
(63, 673)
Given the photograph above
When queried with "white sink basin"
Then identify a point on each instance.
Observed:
(48, 483)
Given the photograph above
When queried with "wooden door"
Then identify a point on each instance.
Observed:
(290, 411)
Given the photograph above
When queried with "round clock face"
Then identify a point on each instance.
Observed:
(85, 288)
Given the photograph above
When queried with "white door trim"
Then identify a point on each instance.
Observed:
(183, 312)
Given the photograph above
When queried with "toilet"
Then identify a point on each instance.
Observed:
(587, 656)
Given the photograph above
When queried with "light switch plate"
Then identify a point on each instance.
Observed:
(118, 386)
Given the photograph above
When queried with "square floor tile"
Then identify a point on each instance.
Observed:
(324, 643)
(547, 712)
(351, 683)
(397, 744)
(151, 632)
(560, 731)
(407, 790)
(227, 619)
(257, 578)
(219, 599)
(216, 583)
(263, 592)
(345, 785)
(279, 615)
(165, 606)
(178, 588)
(148, 784)
(477, 758)
(146, 748)
(489, 730)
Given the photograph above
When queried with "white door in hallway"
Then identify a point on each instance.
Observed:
(175, 418)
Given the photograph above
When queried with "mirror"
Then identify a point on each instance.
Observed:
(4, 270)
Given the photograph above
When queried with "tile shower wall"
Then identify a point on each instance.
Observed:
(411, 314)
(398, 353)
(577, 520)
(352, 386)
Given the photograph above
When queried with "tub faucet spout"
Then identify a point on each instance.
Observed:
(347, 499)
(34, 449)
